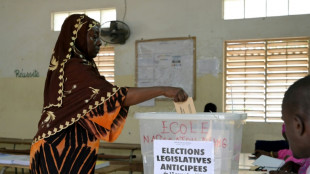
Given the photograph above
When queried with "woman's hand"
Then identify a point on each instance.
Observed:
(178, 94)
(137, 95)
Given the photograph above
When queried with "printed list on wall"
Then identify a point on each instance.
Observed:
(183, 157)
(167, 62)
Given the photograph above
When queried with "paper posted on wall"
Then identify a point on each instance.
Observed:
(186, 107)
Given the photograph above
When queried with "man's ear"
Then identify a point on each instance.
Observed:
(299, 125)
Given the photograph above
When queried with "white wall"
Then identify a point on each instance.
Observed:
(27, 42)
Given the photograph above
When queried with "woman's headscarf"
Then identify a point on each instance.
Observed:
(73, 84)
(72, 35)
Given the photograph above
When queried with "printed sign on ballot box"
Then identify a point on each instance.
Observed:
(183, 157)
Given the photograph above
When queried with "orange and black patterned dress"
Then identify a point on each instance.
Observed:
(80, 106)
(74, 149)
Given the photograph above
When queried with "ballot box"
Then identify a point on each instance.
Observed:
(223, 129)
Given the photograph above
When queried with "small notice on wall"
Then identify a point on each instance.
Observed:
(183, 157)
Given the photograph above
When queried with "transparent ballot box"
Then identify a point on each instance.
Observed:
(223, 129)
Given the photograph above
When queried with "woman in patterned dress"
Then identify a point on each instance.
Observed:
(80, 106)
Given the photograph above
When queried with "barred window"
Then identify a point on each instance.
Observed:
(100, 15)
(105, 63)
(258, 72)
(241, 9)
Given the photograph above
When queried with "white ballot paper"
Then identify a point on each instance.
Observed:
(269, 163)
(186, 107)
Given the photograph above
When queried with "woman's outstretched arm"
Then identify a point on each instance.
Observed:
(137, 95)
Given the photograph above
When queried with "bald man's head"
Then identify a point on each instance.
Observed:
(296, 116)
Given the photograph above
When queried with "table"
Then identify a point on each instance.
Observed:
(6, 166)
(101, 166)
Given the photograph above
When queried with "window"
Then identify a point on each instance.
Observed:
(101, 16)
(105, 57)
(105, 63)
(258, 72)
(241, 9)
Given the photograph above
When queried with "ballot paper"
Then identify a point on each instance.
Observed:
(269, 163)
(186, 107)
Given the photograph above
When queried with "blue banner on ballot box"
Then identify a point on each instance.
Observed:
(183, 157)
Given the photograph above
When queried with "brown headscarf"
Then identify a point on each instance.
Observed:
(73, 84)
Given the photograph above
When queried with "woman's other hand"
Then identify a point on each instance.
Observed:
(280, 172)
(290, 166)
